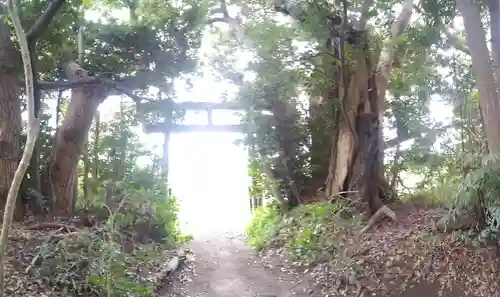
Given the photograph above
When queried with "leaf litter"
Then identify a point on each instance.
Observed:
(405, 258)
(62, 261)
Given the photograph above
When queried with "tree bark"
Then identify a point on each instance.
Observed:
(356, 161)
(10, 116)
(319, 121)
(86, 169)
(95, 152)
(355, 166)
(494, 8)
(70, 139)
(482, 68)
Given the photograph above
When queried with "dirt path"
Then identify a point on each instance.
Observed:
(226, 267)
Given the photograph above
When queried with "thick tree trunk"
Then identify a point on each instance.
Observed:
(356, 159)
(10, 117)
(70, 139)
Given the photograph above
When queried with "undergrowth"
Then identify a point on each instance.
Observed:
(475, 214)
(138, 225)
(264, 226)
(309, 232)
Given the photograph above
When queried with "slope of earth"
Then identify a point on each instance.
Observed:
(225, 267)
(407, 258)
(51, 259)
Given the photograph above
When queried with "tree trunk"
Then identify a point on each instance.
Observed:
(95, 173)
(494, 8)
(482, 68)
(86, 169)
(319, 115)
(34, 169)
(287, 148)
(355, 163)
(70, 138)
(10, 117)
(31, 187)
(165, 156)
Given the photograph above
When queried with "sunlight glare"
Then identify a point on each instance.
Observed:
(208, 175)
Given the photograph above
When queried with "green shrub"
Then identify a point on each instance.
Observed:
(138, 225)
(478, 196)
(264, 226)
(308, 232)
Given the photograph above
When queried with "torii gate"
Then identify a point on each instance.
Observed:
(167, 126)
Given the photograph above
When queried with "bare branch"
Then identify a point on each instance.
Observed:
(384, 66)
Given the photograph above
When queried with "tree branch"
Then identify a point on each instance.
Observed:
(363, 20)
(223, 10)
(32, 37)
(44, 20)
(223, 7)
(453, 40)
(216, 20)
(93, 81)
(384, 67)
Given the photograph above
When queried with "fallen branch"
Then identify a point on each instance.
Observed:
(33, 262)
(61, 235)
(384, 210)
(51, 225)
(173, 265)
(169, 269)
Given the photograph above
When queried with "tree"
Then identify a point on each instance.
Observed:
(88, 91)
(357, 96)
(10, 111)
(404, 65)
(486, 72)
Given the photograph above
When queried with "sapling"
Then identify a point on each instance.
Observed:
(32, 134)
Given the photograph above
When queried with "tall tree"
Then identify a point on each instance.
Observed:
(10, 110)
(486, 71)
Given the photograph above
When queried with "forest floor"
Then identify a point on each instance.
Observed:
(407, 258)
(224, 266)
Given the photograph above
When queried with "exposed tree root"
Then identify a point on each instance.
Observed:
(170, 268)
(384, 210)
